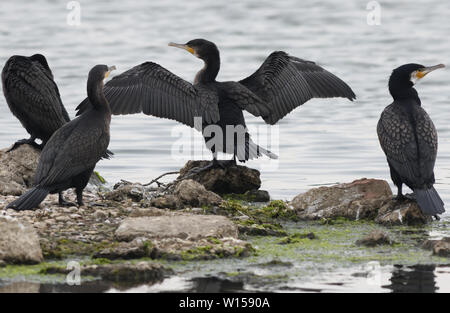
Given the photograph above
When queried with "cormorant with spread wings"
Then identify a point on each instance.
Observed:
(281, 84)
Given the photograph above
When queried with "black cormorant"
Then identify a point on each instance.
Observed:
(33, 97)
(409, 139)
(69, 157)
(282, 83)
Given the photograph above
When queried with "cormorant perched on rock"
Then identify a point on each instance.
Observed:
(281, 84)
(33, 97)
(69, 157)
(409, 139)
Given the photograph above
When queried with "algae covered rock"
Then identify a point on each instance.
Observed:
(232, 179)
(439, 247)
(358, 199)
(375, 238)
(17, 169)
(184, 226)
(19, 242)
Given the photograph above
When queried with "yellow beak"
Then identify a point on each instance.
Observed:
(181, 46)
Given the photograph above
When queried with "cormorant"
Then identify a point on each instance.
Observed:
(33, 97)
(409, 139)
(69, 157)
(282, 83)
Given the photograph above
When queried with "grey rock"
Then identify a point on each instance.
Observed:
(19, 242)
(192, 193)
(17, 169)
(183, 226)
(165, 202)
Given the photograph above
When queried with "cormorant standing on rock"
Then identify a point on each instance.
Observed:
(70, 156)
(409, 139)
(282, 83)
(33, 97)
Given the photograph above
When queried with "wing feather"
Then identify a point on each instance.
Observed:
(286, 82)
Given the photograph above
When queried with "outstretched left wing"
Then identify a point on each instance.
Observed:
(286, 82)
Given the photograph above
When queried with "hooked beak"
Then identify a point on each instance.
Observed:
(110, 69)
(181, 46)
(424, 71)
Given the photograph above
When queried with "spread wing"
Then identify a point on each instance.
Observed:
(286, 82)
(153, 90)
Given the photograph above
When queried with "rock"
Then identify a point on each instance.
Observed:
(19, 242)
(142, 272)
(138, 212)
(258, 195)
(125, 250)
(17, 169)
(376, 237)
(439, 247)
(2, 263)
(405, 212)
(165, 202)
(192, 193)
(123, 191)
(184, 226)
(232, 179)
(99, 214)
(359, 199)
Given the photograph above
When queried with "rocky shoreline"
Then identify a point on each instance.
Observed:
(207, 216)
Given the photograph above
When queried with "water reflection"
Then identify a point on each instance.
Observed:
(415, 279)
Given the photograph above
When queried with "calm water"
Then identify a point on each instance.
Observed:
(323, 142)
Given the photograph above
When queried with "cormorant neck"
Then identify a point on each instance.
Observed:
(403, 91)
(209, 72)
(96, 96)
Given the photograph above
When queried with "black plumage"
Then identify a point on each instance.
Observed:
(70, 156)
(33, 97)
(408, 138)
(280, 85)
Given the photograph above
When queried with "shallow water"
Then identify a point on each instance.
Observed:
(325, 141)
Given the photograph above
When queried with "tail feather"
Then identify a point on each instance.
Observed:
(429, 201)
(29, 200)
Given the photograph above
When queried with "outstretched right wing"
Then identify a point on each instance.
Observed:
(151, 89)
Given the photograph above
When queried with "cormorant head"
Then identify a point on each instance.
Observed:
(404, 77)
(99, 72)
(41, 59)
(201, 48)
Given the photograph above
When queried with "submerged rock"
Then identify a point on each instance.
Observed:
(358, 199)
(439, 247)
(232, 179)
(375, 238)
(17, 169)
(19, 242)
(142, 272)
(184, 226)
